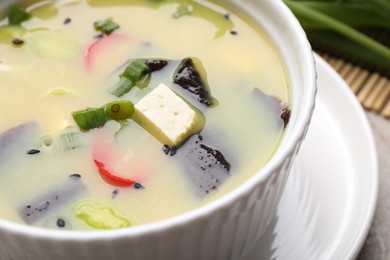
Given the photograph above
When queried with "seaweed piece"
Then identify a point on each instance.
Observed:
(52, 200)
(206, 167)
(285, 116)
(274, 103)
(191, 76)
(156, 64)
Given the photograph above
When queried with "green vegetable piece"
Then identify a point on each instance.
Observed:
(136, 70)
(63, 142)
(106, 26)
(221, 22)
(8, 33)
(60, 92)
(182, 9)
(17, 15)
(45, 11)
(90, 118)
(120, 110)
(100, 216)
(70, 140)
(123, 87)
(53, 44)
(136, 73)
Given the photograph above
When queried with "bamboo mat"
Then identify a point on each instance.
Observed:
(371, 89)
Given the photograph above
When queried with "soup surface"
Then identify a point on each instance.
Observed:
(120, 113)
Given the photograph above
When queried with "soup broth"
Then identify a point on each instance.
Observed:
(71, 58)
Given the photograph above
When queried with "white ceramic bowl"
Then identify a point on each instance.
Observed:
(224, 229)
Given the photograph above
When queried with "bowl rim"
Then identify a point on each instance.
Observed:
(225, 201)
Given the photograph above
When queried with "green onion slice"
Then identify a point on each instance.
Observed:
(136, 70)
(120, 110)
(136, 73)
(90, 118)
(70, 140)
(49, 144)
(63, 142)
(106, 26)
(17, 15)
(123, 87)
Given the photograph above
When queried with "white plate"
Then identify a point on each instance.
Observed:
(330, 197)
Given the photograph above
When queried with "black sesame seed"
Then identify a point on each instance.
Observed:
(166, 149)
(233, 32)
(61, 223)
(17, 41)
(67, 20)
(98, 36)
(114, 193)
(227, 16)
(138, 186)
(75, 176)
(33, 151)
(173, 151)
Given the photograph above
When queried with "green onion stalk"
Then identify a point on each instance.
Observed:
(337, 25)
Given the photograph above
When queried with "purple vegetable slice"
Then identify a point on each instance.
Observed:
(205, 166)
(40, 207)
(17, 140)
(191, 76)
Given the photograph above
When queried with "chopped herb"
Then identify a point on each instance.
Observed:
(90, 118)
(182, 10)
(70, 141)
(120, 110)
(100, 215)
(135, 71)
(67, 20)
(134, 74)
(17, 15)
(123, 87)
(106, 26)
(61, 223)
(33, 151)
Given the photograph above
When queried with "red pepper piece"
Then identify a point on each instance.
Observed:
(111, 178)
(106, 47)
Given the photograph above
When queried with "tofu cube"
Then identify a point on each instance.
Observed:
(167, 117)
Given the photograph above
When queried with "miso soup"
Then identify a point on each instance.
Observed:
(121, 113)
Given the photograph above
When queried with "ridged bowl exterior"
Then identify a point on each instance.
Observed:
(225, 229)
